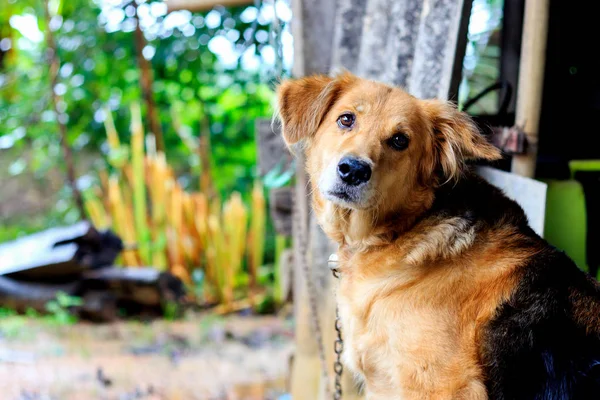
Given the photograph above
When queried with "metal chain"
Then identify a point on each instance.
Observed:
(310, 284)
(338, 347)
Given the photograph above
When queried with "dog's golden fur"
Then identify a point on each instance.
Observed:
(412, 323)
(418, 288)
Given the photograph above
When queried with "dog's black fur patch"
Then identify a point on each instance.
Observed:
(474, 199)
(537, 346)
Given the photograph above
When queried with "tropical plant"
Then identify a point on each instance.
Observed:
(175, 229)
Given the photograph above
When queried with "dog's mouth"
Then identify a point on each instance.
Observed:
(341, 195)
(346, 196)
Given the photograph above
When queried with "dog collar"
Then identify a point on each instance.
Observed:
(332, 263)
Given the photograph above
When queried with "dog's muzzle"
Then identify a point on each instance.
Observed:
(353, 171)
(348, 182)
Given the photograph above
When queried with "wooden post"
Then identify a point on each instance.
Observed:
(531, 81)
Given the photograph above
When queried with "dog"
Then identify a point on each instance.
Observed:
(445, 292)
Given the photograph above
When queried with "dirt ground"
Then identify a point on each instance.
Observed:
(200, 357)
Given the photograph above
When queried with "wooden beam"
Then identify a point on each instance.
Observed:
(531, 82)
(203, 5)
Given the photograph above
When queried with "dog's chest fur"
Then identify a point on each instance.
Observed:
(411, 331)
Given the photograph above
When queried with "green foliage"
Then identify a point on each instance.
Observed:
(14, 230)
(59, 313)
(11, 324)
(60, 309)
(171, 311)
(217, 66)
(268, 305)
(7, 312)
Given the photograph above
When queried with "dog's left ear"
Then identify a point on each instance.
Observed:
(303, 103)
(456, 138)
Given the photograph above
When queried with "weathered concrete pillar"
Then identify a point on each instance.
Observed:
(440, 48)
(388, 40)
(348, 35)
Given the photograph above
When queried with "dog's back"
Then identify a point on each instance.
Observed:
(544, 341)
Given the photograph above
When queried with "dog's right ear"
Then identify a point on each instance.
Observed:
(303, 103)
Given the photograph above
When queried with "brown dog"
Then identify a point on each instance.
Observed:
(445, 292)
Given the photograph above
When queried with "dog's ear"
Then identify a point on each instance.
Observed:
(303, 103)
(456, 139)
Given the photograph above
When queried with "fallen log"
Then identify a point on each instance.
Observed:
(59, 254)
(22, 296)
(104, 292)
(77, 260)
(141, 285)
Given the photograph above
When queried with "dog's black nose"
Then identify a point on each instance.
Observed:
(354, 171)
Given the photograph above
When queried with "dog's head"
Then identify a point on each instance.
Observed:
(375, 149)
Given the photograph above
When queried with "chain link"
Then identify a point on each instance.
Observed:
(338, 347)
(302, 236)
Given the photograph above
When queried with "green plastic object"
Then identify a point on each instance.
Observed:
(566, 221)
(583, 165)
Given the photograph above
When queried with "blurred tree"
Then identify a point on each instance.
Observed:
(61, 118)
(217, 66)
(147, 81)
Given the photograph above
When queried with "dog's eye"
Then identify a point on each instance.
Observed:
(346, 120)
(398, 142)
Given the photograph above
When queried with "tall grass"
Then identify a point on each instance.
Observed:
(172, 229)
